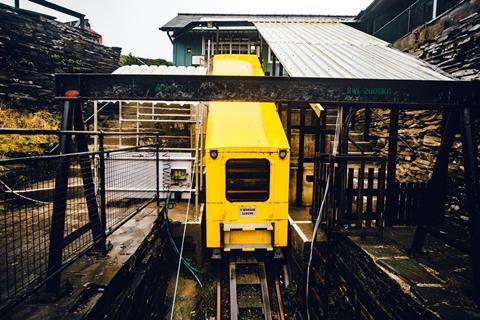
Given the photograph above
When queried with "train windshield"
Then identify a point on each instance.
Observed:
(247, 180)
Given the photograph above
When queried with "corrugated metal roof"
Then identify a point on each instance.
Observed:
(144, 69)
(184, 19)
(335, 50)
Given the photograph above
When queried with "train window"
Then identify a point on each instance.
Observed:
(247, 180)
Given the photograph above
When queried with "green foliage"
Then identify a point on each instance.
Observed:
(26, 62)
(130, 59)
(67, 65)
(57, 57)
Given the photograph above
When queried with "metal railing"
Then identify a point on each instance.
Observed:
(419, 13)
(356, 194)
(54, 208)
(407, 199)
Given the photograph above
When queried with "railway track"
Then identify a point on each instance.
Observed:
(245, 290)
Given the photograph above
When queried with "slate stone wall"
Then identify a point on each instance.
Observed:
(452, 43)
(33, 47)
(347, 283)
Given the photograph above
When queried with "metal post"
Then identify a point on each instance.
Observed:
(95, 141)
(301, 146)
(17, 4)
(274, 64)
(95, 124)
(433, 204)
(289, 122)
(138, 125)
(316, 163)
(434, 9)
(202, 114)
(103, 193)
(470, 150)
(197, 155)
(217, 40)
(409, 18)
(342, 164)
(157, 172)
(60, 204)
(380, 199)
(392, 167)
(87, 179)
(208, 54)
(120, 111)
(366, 128)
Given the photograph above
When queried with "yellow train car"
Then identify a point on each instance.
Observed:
(247, 160)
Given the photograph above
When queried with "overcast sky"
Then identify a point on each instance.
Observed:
(133, 24)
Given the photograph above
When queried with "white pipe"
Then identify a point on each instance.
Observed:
(95, 124)
(120, 122)
(434, 10)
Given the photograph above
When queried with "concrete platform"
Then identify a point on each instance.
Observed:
(385, 280)
(441, 278)
(300, 239)
(85, 280)
(194, 237)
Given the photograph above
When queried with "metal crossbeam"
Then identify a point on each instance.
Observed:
(328, 91)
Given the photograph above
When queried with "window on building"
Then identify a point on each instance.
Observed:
(247, 180)
(234, 44)
(270, 55)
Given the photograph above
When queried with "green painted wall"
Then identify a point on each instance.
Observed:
(181, 56)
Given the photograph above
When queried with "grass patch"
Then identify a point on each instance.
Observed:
(23, 145)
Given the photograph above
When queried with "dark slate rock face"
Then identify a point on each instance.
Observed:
(34, 47)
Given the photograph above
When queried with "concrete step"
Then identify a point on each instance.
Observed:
(331, 119)
(356, 136)
(365, 145)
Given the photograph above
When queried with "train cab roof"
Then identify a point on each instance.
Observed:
(243, 126)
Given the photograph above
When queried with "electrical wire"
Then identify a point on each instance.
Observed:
(187, 265)
(320, 218)
(312, 244)
(185, 225)
(22, 196)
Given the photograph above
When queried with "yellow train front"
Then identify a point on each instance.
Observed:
(247, 163)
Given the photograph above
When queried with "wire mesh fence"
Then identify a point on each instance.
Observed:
(55, 208)
(130, 183)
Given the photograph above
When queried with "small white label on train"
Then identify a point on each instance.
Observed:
(250, 211)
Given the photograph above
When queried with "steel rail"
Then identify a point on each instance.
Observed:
(262, 281)
(278, 291)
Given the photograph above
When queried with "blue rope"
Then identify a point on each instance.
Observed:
(185, 263)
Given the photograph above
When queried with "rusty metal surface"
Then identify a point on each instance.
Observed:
(333, 91)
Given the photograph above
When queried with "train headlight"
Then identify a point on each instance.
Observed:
(282, 153)
(214, 154)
